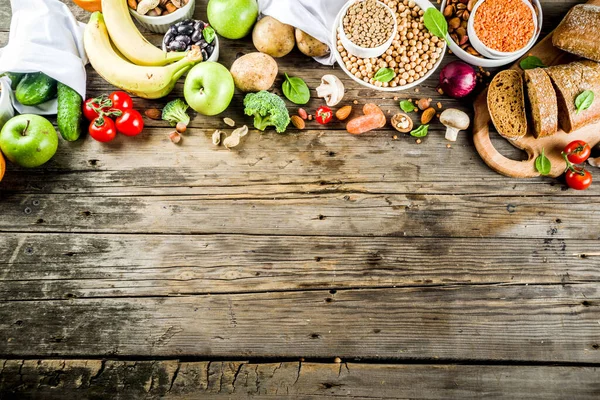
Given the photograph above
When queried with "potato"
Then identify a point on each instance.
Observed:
(254, 72)
(273, 38)
(310, 46)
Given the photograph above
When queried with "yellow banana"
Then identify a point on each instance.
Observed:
(128, 39)
(143, 81)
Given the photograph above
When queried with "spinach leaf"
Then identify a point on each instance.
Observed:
(209, 34)
(384, 75)
(542, 164)
(584, 100)
(436, 23)
(296, 90)
(420, 131)
(407, 106)
(531, 62)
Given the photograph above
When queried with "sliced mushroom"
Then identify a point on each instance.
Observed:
(402, 123)
(331, 89)
(455, 121)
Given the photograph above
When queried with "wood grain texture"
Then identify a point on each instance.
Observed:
(132, 380)
(556, 323)
(58, 266)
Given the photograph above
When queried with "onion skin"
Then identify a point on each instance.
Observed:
(458, 79)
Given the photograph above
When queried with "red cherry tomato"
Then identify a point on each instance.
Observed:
(577, 151)
(103, 129)
(97, 103)
(324, 115)
(578, 179)
(121, 101)
(130, 123)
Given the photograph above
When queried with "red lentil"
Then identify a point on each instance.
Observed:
(504, 25)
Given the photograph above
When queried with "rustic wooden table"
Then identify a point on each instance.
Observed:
(310, 264)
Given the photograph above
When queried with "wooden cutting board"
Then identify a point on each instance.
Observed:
(553, 145)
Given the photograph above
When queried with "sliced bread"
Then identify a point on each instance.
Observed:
(570, 80)
(506, 102)
(542, 99)
(578, 32)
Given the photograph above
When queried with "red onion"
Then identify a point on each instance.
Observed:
(458, 79)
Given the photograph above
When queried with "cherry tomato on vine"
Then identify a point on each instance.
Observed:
(91, 106)
(121, 100)
(103, 129)
(130, 123)
(578, 179)
(577, 151)
(324, 115)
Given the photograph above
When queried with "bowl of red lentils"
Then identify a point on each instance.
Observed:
(413, 53)
(499, 29)
(458, 14)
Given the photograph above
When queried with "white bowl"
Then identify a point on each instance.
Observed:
(495, 54)
(424, 5)
(366, 52)
(6, 109)
(214, 57)
(162, 23)
(487, 62)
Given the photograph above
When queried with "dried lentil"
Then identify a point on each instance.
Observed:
(504, 25)
(368, 24)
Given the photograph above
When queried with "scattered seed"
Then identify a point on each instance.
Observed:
(310, 117)
(395, 137)
(439, 105)
(418, 141)
(355, 102)
(449, 146)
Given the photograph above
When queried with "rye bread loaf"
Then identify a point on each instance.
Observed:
(543, 103)
(578, 32)
(506, 103)
(570, 80)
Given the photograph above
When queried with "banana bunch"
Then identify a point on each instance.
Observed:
(129, 61)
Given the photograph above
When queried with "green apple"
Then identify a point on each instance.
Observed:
(28, 140)
(209, 88)
(232, 19)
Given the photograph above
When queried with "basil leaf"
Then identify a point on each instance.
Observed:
(542, 164)
(384, 75)
(209, 34)
(436, 23)
(407, 106)
(531, 62)
(420, 131)
(296, 90)
(584, 100)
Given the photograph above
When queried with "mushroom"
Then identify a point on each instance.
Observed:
(331, 89)
(454, 120)
(402, 122)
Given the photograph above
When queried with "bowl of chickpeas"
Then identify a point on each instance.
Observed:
(413, 53)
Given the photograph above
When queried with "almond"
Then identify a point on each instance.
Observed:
(298, 122)
(343, 113)
(427, 115)
(153, 113)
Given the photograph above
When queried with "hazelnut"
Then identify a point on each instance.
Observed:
(423, 104)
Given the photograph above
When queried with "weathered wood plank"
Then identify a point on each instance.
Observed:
(56, 266)
(334, 214)
(131, 380)
(552, 323)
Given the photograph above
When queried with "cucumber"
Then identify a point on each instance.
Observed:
(15, 78)
(70, 114)
(35, 89)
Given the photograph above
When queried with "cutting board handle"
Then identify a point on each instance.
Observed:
(491, 156)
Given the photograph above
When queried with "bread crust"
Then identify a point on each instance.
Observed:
(578, 32)
(506, 104)
(569, 81)
(542, 101)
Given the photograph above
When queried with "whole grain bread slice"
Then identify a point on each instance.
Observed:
(543, 103)
(578, 32)
(506, 103)
(570, 80)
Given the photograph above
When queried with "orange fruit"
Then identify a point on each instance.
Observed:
(2, 166)
(89, 5)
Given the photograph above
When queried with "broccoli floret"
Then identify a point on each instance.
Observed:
(175, 112)
(268, 109)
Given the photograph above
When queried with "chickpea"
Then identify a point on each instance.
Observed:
(410, 80)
